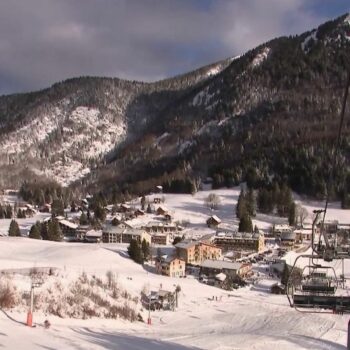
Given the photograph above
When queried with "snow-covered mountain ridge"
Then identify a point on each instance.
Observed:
(224, 120)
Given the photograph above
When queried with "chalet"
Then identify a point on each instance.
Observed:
(238, 241)
(194, 252)
(113, 234)
(213, 221)
(29, 210)
(93, 236)
(124, 208)
(212, 268)
(279, 229)
(288, 240)
(161, 210)
(168, 218)
(81, 232)
(302, 235)
(69, 229)
(46, 208)
(139, 212)
(170, 266)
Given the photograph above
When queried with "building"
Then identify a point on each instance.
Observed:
(114, 234)
(159, 227)
(302, 235)
(162, 238)
(93, 236)
(330, 227)
(213, 221)
(238, 241)
(194, 252)
(279, 229)
(161, 210)
(170, 266)
(211, 268)
(81, 232)
(288, 240)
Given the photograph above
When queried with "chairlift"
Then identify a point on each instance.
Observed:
(317, 282)
(315, 292)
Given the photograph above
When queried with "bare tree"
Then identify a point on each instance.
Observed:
(301, 214)
(212, 201)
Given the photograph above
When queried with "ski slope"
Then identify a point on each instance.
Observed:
(248, 318)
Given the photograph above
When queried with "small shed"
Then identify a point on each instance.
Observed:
(213, 221)
(162, 210)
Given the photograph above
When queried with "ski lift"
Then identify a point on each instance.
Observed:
(315, 291)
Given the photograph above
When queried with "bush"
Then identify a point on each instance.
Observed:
(8, 297)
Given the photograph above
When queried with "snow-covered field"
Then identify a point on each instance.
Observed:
(248, 318)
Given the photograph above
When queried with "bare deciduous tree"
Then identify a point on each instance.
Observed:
(212, 201)
(301, 214)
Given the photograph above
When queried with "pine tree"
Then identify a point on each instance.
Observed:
(99, 212)
(245, 224)
(241, 207)
(149, 209)
(14, 230)
(35, 231)
(292, 214)
(135, 251)
(143, 202)
(145, 249)
(285, 275)
(57, 208)
(43, 227)
(8, 212)
(83, 219)
(2, 213)
(54, 231)
(250, 203)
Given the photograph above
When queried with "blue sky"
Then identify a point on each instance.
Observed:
(44, 41)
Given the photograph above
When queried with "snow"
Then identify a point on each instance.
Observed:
(250, 317)
(213, 71)
(79, 136)
(312, 36)
(260, 57)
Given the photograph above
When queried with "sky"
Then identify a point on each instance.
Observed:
(45, 41)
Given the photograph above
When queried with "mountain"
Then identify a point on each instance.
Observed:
(269, 115)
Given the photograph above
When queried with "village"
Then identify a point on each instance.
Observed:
(192, 264)
(210, 249)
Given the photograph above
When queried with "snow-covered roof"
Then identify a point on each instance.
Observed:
(163, 208)
(68, 224)
(288, 236)
(282, 228)
(214, 217)
(221, 264)
(185, 245)
(93, 233)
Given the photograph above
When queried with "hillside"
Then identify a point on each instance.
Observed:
(268, 115)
